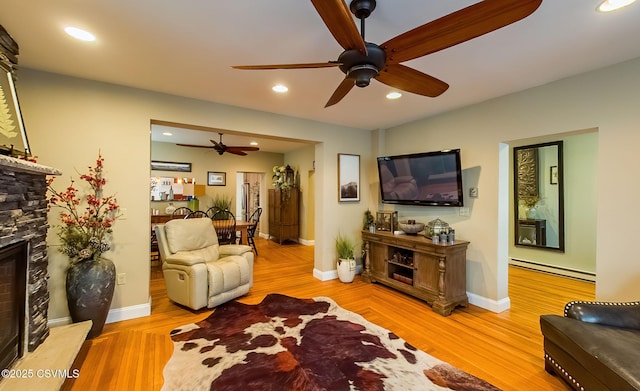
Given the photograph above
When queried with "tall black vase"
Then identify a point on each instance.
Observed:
(90, 286)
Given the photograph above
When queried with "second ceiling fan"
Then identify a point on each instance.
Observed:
(361, 61)
(222, 148)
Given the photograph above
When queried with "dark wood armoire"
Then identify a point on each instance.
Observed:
(284, 214)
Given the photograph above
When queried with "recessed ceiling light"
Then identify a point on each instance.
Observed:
(80, 34)
(394, 95)
(280, 88)
(254, 143)
(612, 5)
(167, 134)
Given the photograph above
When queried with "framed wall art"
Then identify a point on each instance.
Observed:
(553, 175)
(13, 137)
(216, 178)
(348, 177)
(170, 166)
(527, 183)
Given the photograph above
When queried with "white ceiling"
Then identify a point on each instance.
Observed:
(187, 48)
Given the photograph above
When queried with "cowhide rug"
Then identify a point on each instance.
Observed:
(285, 343)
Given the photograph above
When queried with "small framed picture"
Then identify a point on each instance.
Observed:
(216, 178)
(13, 136)
(170, 166)
(348, 177)
(553, 176)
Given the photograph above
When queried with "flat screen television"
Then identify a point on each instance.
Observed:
(429, 178)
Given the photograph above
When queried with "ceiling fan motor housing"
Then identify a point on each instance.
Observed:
(362, 67)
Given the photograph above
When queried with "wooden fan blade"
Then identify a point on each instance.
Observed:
(457, 27)
(236, 152)
(408, 79)
(195, 146)
(343, 89)
(337, 16)
(288, 66)
(248, 149)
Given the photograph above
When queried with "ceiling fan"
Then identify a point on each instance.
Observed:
(361, 61)
(221, 148)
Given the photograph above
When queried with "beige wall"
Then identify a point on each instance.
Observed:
(605, 100)
(68, 120)
(302, 160)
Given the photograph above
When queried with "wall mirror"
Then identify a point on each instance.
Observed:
(538, 196)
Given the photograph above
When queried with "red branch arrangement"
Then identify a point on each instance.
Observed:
(87, 221)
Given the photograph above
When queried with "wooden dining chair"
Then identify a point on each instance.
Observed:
(211, 211)
(224, 223)
(180, 213)
(196, 214)
(155, 251)
(251, 230)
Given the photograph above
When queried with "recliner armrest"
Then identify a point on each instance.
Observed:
(182, 258)
(617, 314)
(233, 249)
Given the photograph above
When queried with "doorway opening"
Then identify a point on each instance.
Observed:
(249, 188)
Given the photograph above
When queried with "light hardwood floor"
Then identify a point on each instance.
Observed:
(504, 349)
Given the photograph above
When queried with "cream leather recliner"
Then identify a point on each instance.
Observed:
(197, 270)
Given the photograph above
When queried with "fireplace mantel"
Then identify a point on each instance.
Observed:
(21, 165)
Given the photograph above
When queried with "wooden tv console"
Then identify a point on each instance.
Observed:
(436, 273)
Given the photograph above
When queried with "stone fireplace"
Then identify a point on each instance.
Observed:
(23, 218)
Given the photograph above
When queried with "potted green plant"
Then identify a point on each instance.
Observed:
(222, 202)
(346, 264)
(85, 235)
(368, 221)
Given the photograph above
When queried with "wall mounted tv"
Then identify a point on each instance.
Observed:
(430, 178)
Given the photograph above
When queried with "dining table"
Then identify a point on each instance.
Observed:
(241, 225)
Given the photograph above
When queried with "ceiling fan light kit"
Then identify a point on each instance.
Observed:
(362, 61)
(362, 74)
(360, 67)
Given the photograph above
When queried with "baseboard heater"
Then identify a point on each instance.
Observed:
(561, 271)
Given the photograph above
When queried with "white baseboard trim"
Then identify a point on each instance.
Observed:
(131, 312)
(299, 240)
(115, 315)
(560, 271)
(331, 274)
(496, 306)
(325, 276)
(59, 322)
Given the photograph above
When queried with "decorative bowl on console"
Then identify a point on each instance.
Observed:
(410, 227)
